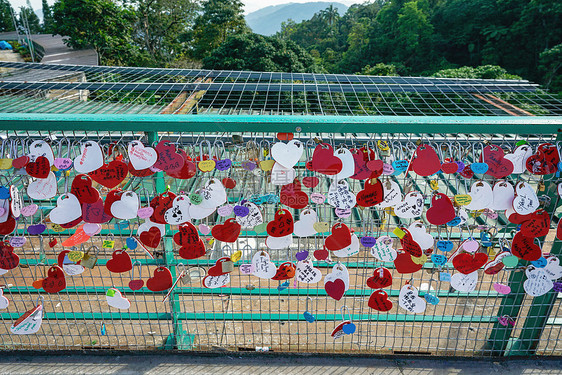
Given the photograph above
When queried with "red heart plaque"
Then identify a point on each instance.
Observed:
(498, 165)
(111, 174)
(381, 278)
(372, 194)
(324, 161)
(525, 247)
(151, 238)
(339, 239)
(169, 160)
(281, 225)
(335, 289)
(441, 210)
(187, 171)
(405, 264)
(187, 234)
(218, 269)
(426, 161)
(40, 168)
(467, 263)
(537, 225)
(82, 188)
(161, 204)
(409, 245)
(285, 271)
(291, 195)
(8, 259)
(55, 280)
(161, 280)
(227, 232)
(379, 301)
(120, 262)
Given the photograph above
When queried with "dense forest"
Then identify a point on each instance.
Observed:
(452, 38)
(426, 36)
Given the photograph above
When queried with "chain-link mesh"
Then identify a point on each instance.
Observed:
(251, 313)
(75, 89)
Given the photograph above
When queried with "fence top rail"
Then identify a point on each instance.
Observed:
(282, 123)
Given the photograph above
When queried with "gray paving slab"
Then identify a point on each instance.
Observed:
(228, 364)
(57, 52)
(11, 56)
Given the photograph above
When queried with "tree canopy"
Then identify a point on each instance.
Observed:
(48, 22)
(218, 20)
(476, 38)
(101, 24)
(6, 10)
(481, 72)
(421, 37)
(139, 32)
(261, 53)
(28, 18)
(160, 29)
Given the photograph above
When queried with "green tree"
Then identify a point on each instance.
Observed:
(551, 67)
(358, 41)
(536, 28)
(260, 53)
(161, 26)
(414, 32)
(480, 72)
(48, 23)
(28, 16)
(509, 33)
(402, 32)
(330, 15)
(102, 24)
(218, 20)
(323, 35)
(288, 28)
(6, 10)
(460, 28)
(355, 31)
(379, 69)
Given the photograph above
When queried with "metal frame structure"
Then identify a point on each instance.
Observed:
(114, 104)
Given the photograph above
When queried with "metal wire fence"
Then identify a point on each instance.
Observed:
(464, 315)
(39, 88)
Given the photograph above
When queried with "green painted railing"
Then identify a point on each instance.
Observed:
(500, 341)
(280, 123)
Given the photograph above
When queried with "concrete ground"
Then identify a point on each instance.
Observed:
(235, 363)
(56, 52)
(9, 55)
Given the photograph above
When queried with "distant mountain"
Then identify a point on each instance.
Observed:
(267, 21)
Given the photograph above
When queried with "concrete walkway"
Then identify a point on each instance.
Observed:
(9, 55)
(56, 52)
(234, 363)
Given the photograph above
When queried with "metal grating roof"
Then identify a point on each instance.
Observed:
(80, 89)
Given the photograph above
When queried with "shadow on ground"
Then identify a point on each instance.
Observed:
(267, 364)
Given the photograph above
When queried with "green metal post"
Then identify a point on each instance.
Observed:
(160, 187)
(511, 304)
(179, 339)
(541, 307)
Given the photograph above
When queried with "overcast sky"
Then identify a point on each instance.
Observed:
(251, 5)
